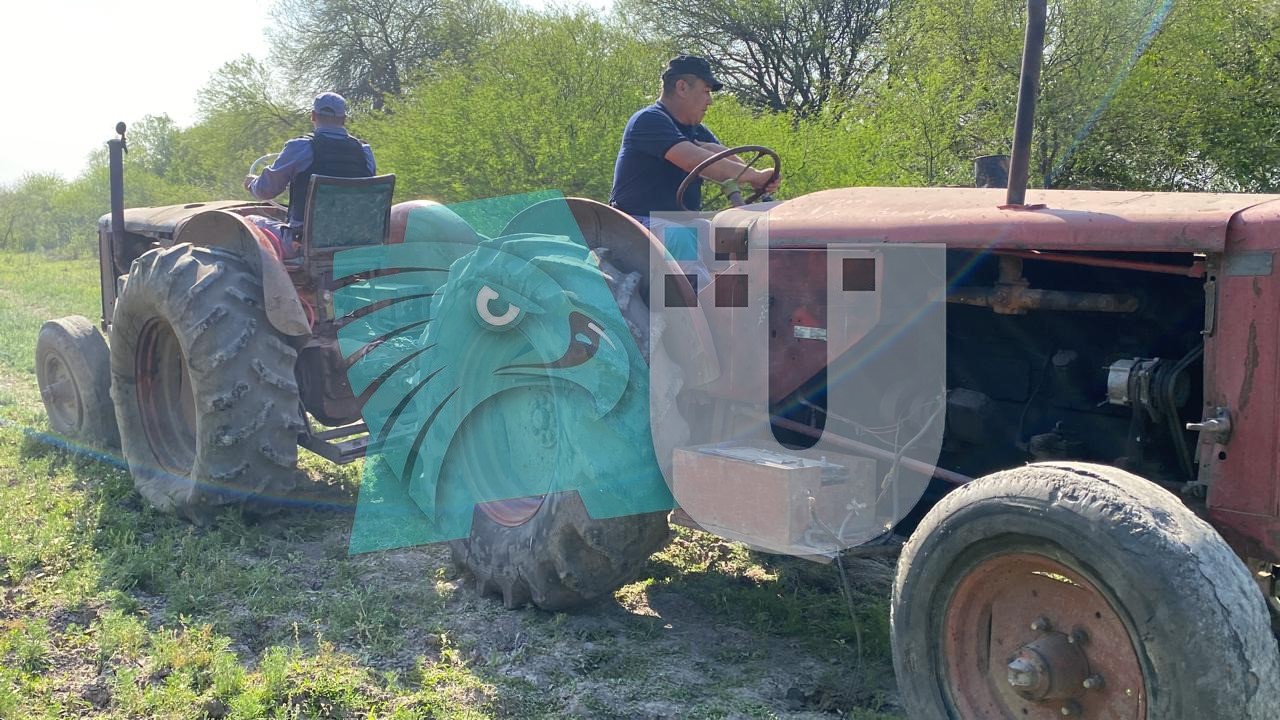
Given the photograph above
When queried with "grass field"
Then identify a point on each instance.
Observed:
(110, 609)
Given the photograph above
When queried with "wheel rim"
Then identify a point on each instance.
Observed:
(165, 401)
(61, 395)
(1025, 636)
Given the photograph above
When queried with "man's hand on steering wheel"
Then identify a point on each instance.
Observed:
(761, 181)
(766, 179)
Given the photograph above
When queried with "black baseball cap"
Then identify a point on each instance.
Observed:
(692, 65)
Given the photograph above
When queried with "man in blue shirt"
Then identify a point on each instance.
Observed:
(328, 150)
(663, 142)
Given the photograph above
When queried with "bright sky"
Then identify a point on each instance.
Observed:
(73, 68)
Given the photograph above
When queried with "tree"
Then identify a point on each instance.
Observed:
(540, 106)
(245, 112)
(951, 78)
(152, 142)
(368, 50)
(1200, 111)
(783, 55)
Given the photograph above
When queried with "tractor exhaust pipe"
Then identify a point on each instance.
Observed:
(1028, 89)
(116, 148)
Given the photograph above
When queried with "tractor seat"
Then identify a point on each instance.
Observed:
(346, 212)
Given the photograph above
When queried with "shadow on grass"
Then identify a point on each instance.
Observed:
(839, 612)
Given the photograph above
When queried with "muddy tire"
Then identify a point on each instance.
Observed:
(73, 370)
(203, 385)
(1064, 589)
(560, 557)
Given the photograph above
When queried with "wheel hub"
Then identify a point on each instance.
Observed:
(165, 399)
(60, 394)
(1050, 668)
(1026, 637)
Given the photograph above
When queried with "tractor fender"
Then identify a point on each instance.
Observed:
(229, 231)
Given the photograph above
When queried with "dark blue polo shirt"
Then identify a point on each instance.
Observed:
(644, 181)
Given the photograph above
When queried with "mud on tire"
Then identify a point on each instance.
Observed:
(203, 385)
(560, 557)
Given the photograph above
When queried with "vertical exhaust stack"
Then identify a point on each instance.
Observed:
(116, 148)
(1028, 89)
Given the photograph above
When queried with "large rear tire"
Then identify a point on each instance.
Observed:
(558, 557)
(203, 385)
(1069, 589)
(73, 370)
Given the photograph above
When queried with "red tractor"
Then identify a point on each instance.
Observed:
(1099, 528)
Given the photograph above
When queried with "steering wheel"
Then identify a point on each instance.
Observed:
(255, 168)
(729, 189)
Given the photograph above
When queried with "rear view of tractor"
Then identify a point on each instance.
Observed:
(216, 343)
(219, 355)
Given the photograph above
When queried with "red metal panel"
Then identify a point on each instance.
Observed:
(972, 218)
(1242, 374)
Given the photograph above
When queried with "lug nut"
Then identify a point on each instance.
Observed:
(1071, 708)
(1041, 624)
(1078, 637)
(1093, 682)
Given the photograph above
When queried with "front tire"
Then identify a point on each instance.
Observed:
(73, 370)
(203, 385)
(1069, 589)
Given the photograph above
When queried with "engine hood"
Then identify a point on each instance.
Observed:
(973, 218)
(165, 221)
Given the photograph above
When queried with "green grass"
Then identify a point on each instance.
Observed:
(110, 609)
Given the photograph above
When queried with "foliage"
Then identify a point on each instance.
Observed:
(367, 50)
(782, 55)
(542, 105)
(1199, 111)
(950, 87)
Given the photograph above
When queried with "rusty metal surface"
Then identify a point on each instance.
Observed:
(323, 386)
(1026, 637)
(1242, 374)
(513, 512)
(971, 218)
(1194, 270)
(1016, 300)
(1028, 90)
(954, 478)
(166, 220)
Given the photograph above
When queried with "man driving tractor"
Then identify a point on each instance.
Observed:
(328, 150)
(664, 142)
